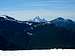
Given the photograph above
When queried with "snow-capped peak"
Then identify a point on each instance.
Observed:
(38, 19)
(4, 16)
(7, 18)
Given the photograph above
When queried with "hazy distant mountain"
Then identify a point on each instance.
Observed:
(38, 19)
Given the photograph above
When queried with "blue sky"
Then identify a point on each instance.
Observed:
(25, 9)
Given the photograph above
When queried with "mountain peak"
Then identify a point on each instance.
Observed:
(60, 18)
(38, 19)
(61, 22)
(57, 20)
(5, 17)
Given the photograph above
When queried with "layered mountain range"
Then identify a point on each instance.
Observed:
(36, 34)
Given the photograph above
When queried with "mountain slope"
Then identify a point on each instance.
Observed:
(66, 23)
(21, 35)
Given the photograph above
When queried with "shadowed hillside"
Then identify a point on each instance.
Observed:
(22, 35)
